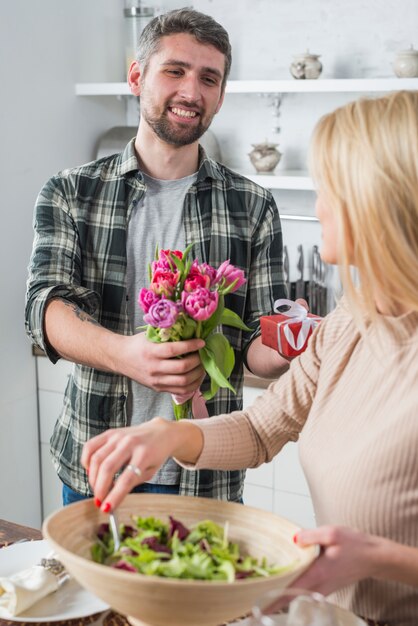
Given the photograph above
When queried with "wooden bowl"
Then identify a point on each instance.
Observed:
(156, 601)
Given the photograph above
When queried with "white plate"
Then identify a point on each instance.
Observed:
(345, 618)
(70, 601)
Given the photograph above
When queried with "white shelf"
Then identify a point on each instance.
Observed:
(291, 179)
(326, 85)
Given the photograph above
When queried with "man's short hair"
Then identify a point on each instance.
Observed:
(203, 27)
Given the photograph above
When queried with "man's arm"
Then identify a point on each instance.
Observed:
(265, 362)
(78, 337)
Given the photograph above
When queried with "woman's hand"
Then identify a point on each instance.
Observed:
(346, 557)
(145, 447)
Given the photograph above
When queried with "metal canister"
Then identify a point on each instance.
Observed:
(136, 18)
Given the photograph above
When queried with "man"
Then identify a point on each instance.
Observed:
(96, 229)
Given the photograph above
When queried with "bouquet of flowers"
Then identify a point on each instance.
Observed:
(185, 299)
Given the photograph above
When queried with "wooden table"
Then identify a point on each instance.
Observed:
(10, 532)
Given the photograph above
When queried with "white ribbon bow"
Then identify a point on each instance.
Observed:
(295, 313)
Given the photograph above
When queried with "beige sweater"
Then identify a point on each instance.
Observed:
(356, 399)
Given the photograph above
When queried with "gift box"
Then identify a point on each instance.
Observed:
(288, 332)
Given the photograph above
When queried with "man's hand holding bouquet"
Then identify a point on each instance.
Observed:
(185, 299)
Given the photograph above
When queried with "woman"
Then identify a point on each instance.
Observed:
(351, 398)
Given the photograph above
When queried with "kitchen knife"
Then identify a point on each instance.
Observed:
(300, 283)
(314, 285)
(286, 270)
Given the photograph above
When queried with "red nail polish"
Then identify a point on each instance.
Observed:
(97, 502)
(106, 507)
(295, 538)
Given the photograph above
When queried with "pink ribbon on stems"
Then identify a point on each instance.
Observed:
(199, 408)
(295, 313)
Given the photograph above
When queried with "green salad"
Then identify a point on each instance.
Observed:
(203, 552)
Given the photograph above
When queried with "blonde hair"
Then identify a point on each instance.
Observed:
(364, 158)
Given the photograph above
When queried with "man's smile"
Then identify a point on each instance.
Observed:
(183, 113)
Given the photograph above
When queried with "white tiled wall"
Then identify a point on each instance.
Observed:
(279, 486)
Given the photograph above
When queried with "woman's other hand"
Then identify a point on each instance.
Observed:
(346, 557)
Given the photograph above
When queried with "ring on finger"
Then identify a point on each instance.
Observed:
(134, 469)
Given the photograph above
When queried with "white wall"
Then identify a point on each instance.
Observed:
(46, 46)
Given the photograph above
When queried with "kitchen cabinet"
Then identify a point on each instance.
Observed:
(279, 486)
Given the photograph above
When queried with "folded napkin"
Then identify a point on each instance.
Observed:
(305, 611)
(20, 591)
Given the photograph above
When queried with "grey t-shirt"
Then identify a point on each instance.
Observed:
(156, 220)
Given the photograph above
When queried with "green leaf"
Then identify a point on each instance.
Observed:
(152, 334)
(187, 251)
(182, 411)
(210, 393)
(215, 319)
(178, 263)
(218, 359)
(229, 318)
(223, 353)
(188, 328)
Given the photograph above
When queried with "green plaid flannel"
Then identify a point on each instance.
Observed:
(79, 254)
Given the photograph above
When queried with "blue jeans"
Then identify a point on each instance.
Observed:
(69, 495)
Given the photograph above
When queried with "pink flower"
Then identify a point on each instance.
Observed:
(164, 260)
(146, 298)
(228, 274)
(199, 276)
(200, 304)
(164, 282)
(208, 270)
(162, 314)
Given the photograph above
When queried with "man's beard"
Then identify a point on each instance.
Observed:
(172, 134)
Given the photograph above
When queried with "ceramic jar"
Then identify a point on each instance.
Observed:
(306, 65)
(264, 156)
(406, 63)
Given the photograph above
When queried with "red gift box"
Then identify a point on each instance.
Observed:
(288, 332)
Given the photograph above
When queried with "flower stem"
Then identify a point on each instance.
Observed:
(198, 329)
(182, 411)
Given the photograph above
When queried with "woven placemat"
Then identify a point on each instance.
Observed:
(115, 619)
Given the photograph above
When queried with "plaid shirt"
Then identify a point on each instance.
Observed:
(79, 254)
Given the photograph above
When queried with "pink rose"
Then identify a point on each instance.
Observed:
(146, 298)
(164, 282)
(200, 304)
(162, 314)
(227, 274)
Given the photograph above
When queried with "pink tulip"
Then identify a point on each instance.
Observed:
(200, 304)
(162, 314)
(227, 274)
(146, 298)
(164, 260)
(164, 282)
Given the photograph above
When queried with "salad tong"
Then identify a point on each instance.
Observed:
(114, 529)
